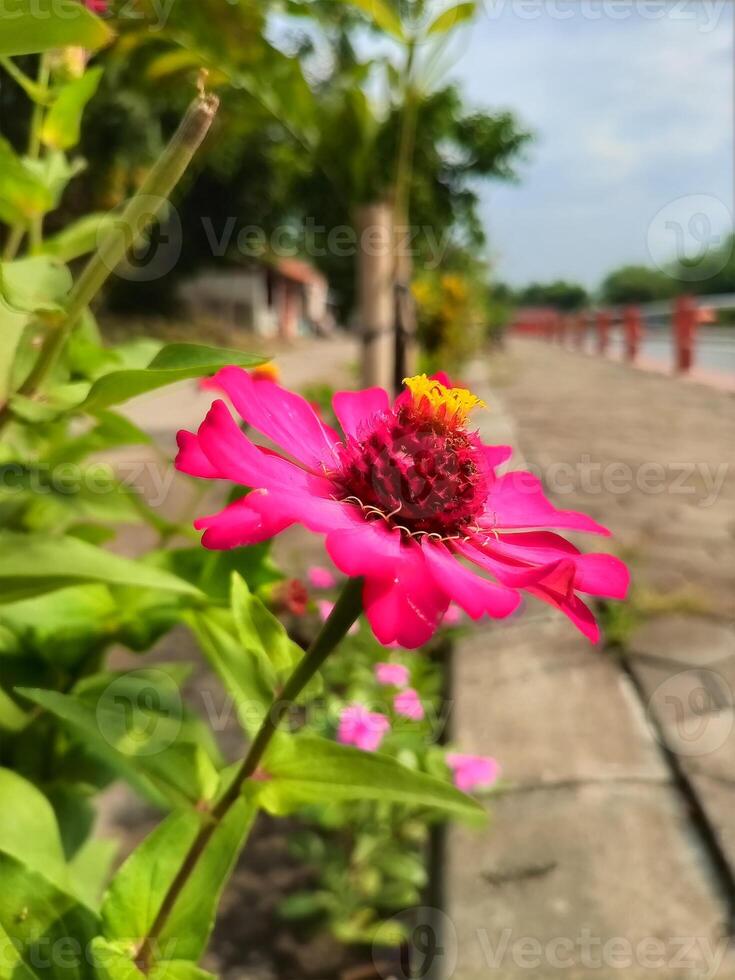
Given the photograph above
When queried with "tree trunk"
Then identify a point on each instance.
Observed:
(376, 302)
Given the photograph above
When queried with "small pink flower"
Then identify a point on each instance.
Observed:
(453, 615)
(321, 578)
(96, 6)
(392, 675)
(325, 608)
(408, 704)
(362, 728)
(471, 771)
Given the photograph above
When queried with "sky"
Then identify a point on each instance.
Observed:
(631, 102)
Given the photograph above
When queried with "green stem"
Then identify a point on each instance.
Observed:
(344, 614)
(137, 217)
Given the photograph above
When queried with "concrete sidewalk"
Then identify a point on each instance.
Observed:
(612, 844)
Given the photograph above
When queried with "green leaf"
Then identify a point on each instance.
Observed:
(134, 898)
(62, 125)
(12, 325)
(265, 637)
(113, 962)
(90, 868)
(12, 966)
(308, 769)
(136, 723)
(32, 26)
(382, 16)
(28, 828)
(12, 719)
(37, 284)
(80, 237)
(451, 18)
(37, 916)
(55, 171)
(175, 362)
(22, 194)
(33, 564)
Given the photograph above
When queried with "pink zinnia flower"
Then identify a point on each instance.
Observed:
(453, 615)
(471, 771)
(320, 578)
(392, 675)
(362, 728)
(406, 498)
(408, 703)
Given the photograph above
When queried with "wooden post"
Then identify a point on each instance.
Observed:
(685, 323)
(603, 331)
(375, 293)
(633, 332)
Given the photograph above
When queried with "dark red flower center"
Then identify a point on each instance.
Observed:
(417, 469)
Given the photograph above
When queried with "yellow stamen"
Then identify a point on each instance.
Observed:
(456, 402)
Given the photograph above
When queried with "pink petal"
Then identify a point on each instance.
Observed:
(320, 578)
(495, 455)
(281, 415)
(191, 458)
(453, 615)
(240, 524)
(408, 703)
(474, 594)
(407, 607)
(354, 409)
(362, 728)
(233, 455)
(365, 548)
(517, 500)
(392, 675)
(471, 771)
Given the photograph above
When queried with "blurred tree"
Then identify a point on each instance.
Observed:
(561, 295)
(637, 284)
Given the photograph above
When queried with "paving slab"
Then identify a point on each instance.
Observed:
(608, 872)
(550, 707)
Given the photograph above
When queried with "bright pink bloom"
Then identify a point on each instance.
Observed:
(392, 675)
(453, 615)
(471, 771)
(362, 728)
(409, 499)
(321, 578)
(96, 6)
(408, 703)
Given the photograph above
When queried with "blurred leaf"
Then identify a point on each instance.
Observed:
(308, 769)
(51, 404)
(90, 868)
(28, 828)
(136, 893)
(32, 26)
(36, 915)
(35, 284)
(136, 722)
(22, 195)
(12, 325)
(80, 237)
(113, 962)
(12, 718)
(451, 18)
(34, 564)
(54, 171)
(12, 966)
(175, 362)
(62, 124)
(382, 16)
